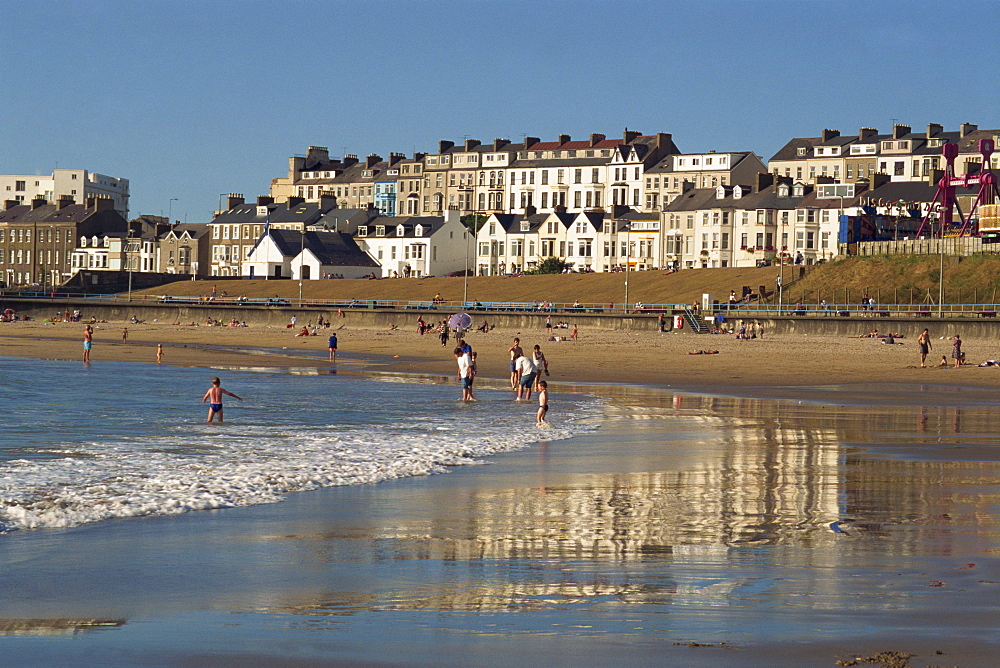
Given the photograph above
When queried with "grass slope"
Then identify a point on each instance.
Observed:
(902, 279)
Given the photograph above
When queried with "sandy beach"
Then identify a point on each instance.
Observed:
(791, 501)
(598, 356)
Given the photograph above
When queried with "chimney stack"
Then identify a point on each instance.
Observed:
(934, 129)
(500, 143)
(629, 135)
(471, 144)
(530, 211)
(63, 202)
(419, 156)
(234, 200)
(900, 131)
(396, 157)
(37, 202)
(264, 200)
(444, 145)
(764, 180)
(595, 138)
(829, 134)
(294, 202)
(9, 204)
(102, 204)
(878, 179)
(350, 159)
(316, 155)
(372, 160)
(967, 128)
(933, 176)
(327, 201)
(528, 141)
(563, 139)
(865, 133)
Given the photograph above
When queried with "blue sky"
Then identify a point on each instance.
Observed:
(189, 99)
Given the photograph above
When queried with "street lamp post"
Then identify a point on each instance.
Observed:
(170, 209)
(468, 240)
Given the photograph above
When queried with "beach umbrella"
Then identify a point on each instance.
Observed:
(460, 321)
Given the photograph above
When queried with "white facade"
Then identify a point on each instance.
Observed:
(416, 246)
(77, 183)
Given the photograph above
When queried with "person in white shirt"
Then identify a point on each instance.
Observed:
(464, 373)
(527, 371)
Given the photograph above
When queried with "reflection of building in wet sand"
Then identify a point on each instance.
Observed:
(710, 479)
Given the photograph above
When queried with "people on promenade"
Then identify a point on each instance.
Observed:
(88, 342)
(924, 343)
(214, 398)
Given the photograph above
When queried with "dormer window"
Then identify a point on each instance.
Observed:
(783, 190)
(366, 174)
(418, 231)
(363, 231)
(720, 192)
(525, 225)
(400, 230)
(801, 151)
(380, 230)
(737, 192)
(83, 242)
(800, 190)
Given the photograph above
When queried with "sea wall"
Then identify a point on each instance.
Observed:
(971, 326)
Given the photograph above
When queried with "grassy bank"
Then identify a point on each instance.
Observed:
(904, 280)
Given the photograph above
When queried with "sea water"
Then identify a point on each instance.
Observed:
(110, 440)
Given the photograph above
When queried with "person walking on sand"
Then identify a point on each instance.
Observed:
(125, 335)
(543, 403)
(88, 342)
(331, 345)
(548, 325)
(924, 343)
(159, 353)
(956, 351)
(214, 397)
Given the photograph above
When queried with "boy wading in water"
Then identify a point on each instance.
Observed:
(543, 403)
(214, 397)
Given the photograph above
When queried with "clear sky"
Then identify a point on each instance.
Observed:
(189, 99)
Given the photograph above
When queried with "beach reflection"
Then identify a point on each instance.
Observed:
(689, 499)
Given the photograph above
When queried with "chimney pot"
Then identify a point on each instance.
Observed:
(37, 202)
(234, 200)
(899, 131)
(934, 129)
(264, 200)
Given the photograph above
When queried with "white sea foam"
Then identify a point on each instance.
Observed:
(199, 467)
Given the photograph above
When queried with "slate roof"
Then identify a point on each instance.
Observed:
(431, 225)
(330, 248)
(47, 213)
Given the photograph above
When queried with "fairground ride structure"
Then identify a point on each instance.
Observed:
(984, 214)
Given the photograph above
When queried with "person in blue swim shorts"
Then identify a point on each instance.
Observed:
(214, 397)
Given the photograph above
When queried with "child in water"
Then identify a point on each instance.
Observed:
(214, 397)
(543, 403)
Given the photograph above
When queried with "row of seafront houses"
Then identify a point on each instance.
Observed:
(598, 205)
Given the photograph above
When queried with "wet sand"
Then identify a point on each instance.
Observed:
(830, 523)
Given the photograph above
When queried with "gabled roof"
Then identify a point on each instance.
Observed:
(431, 225)
(330, 248)
(194, 230)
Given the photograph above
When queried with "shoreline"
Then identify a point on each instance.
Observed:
(787, 366)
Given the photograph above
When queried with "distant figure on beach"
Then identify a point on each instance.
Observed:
(214, 398)
(543, 403)
(464, 373)
(574, 334)
(924, 343)
(944, 361)
(548, 325)
(159, 353)
(88, 342)
(526, 371)
(331, 345)
(956, 351)
(444, 333)
(125, 335)
(514, 351)
(420, 325)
